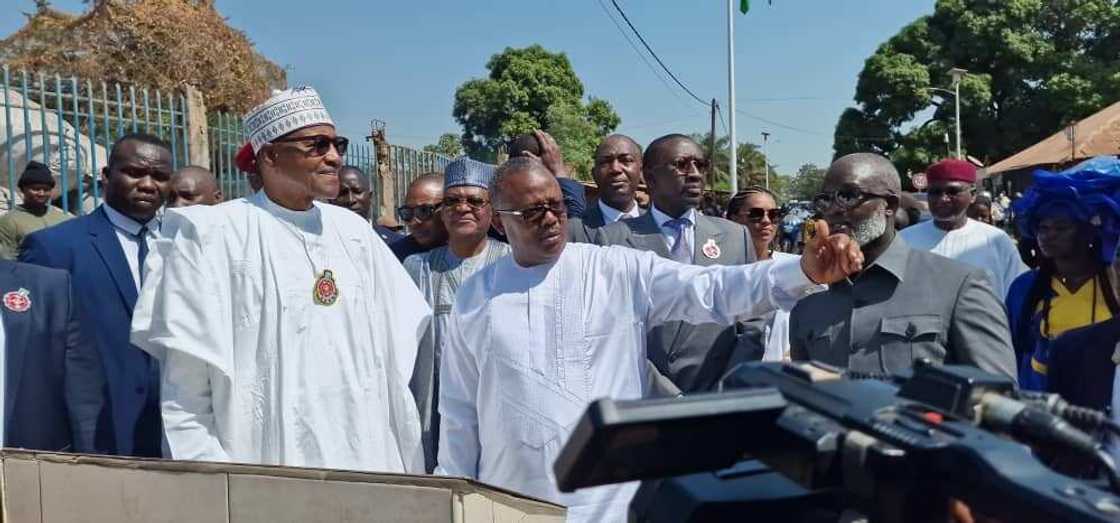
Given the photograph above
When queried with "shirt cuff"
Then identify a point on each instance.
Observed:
(788, 277)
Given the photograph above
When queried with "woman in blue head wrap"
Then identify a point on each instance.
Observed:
(1074, 219)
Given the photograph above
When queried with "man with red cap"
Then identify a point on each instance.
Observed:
(952, 234)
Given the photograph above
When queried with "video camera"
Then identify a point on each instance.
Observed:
(893, 448)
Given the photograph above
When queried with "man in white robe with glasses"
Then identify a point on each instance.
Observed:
(537, 335)
(286, 331)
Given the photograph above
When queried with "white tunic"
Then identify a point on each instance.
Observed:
(977, 244)
(528, 348)
(253, 370)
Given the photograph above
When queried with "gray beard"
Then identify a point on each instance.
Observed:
(869, 230)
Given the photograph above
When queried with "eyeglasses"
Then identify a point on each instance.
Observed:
(846, 198)
(683, 165)
(952, 191)
(474, 202)
(536, 213)
(420, 212)
(321, 145)
(755, 214)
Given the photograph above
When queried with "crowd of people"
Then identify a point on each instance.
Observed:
(284, 328)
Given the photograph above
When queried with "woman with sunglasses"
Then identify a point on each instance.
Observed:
(757, 209)
(1071, 216)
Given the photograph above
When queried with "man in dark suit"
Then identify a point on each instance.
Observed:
(104, 252)
(617, 172)
(692, 356)
(53, 381)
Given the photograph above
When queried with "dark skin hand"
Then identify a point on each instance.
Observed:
(137, 179)
(550, 156)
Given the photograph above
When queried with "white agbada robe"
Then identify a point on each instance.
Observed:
(253, 370)
(528, 348)
(977, 244)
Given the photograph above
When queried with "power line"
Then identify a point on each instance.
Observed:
(719, 111)
(641, 55)
(655, 57)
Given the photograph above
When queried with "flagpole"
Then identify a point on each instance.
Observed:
(732, 166)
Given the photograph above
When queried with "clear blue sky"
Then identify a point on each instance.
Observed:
(796, 61)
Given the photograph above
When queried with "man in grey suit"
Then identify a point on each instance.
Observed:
(692, 356)
(617, 172)
(906, 304)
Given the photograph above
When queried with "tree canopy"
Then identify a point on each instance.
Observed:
(748, 163)
(532, 88)
(1034, 67)
(447, 145)
(161, 44)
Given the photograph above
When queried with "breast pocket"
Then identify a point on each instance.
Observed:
(819, 346)
(903, 339)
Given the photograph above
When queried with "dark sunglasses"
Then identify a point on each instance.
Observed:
(420, 212)
(952, 191)
(846, 198)
(320, 144)
(536, 213)
(474, 202)
(685, 164)
(755, 214)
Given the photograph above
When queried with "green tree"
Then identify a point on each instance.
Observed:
(447, 145)
(1034, 67)
(532, 88)
(806, 183)
(748, 163)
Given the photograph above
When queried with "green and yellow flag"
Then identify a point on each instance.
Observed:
(744, 6)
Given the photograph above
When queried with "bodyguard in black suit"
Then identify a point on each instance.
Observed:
(104, 252)
(54, 383)
(617, 172)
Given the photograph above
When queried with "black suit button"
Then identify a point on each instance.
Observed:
(911, 330)
(140, 390)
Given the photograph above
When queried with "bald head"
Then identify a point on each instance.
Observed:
(871, 172)
(515, 168)
(194, 185)
(426, 182)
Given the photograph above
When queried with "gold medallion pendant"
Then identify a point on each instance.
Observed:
(326, 291)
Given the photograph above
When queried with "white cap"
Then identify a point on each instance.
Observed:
(286, 111)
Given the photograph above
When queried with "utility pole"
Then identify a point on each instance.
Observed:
(765, 159)
(385, 182)
(957, 74)
(732, 167)
(712, 146)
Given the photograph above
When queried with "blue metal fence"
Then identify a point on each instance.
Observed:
(409, 164)
(70, 123)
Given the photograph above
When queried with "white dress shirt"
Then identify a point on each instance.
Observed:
(611, 215)
(127, 229)
(528, 348)
(670, 234)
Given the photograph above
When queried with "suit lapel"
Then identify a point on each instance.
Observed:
(105, 241)
(646, 235)
(704, 232)
(593, 217)
(17, 327)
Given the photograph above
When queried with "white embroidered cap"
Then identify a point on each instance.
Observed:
(286, 111)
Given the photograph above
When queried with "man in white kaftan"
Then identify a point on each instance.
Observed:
(538, 335)
(286, 331)
(438, 273)
(952, 234)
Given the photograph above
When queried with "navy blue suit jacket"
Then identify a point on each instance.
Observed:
(88, 248)
(1081, 368)
(54, 384)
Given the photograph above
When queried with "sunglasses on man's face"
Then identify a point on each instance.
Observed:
(320, 144)
(536, 213)
(422, 213)
(846, 198)
(952, 191)
(684, 165)
(755, 214)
